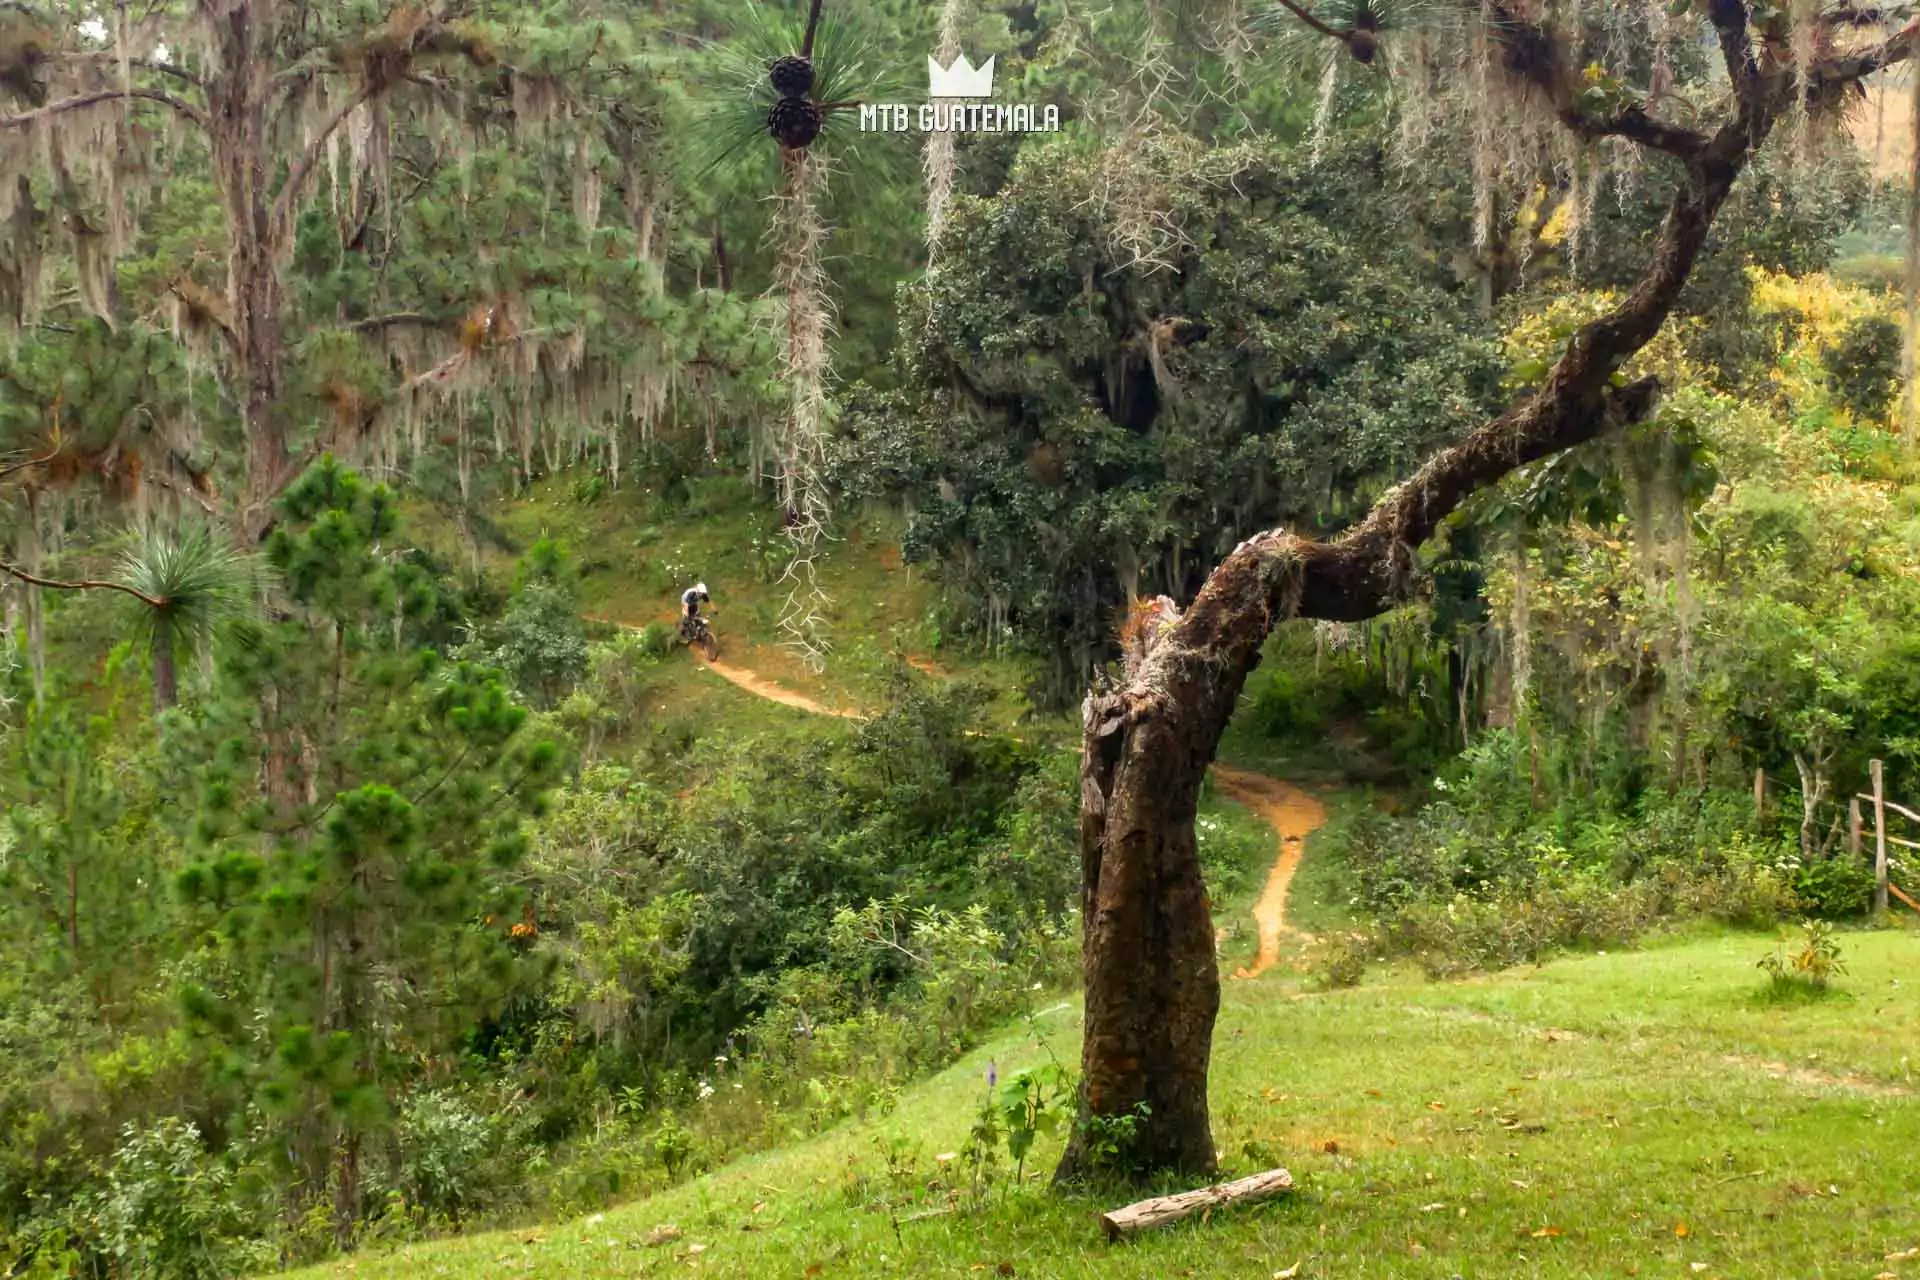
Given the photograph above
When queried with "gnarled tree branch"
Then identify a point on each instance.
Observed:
(51, 584)
(83, 100)
(288, 201)
(1306, 15)
(1539, 56)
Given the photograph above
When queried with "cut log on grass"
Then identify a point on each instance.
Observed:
(1163, 1210)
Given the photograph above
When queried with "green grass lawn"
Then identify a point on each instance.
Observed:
(1635, 1113)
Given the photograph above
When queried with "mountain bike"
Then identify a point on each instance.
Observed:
(697, 633)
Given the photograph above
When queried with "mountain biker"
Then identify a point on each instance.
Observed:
(690, 601)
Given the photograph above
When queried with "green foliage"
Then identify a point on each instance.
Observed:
(360, 921)
(198, 585)
(542, 644)
(1835, 888)
(445, 1146)
(1863, 367)
(167, 1210)
(1341, 959)
(1111, 1139)
(1808, 971)
(1028, 1105)
(1079, 423)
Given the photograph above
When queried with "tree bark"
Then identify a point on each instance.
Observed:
(1152, 983)
(166, 679)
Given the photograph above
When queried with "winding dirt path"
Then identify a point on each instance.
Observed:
(757, 685)
(1294, 815)
(760, 687)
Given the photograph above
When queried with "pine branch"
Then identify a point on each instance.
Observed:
(813, 28)
(49, 583)
(1307, 17)
(83, 100)
(1834, 74)
(173, 70)
(398, 318)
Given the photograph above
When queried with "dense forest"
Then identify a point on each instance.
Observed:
(1499, 416)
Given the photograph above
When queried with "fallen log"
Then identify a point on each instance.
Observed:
(1162, 1210)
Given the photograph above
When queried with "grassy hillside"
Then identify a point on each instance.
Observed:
(639, 549)
(1640, 1113)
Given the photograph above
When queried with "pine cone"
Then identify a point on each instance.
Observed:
(794, 122)
(792, 77)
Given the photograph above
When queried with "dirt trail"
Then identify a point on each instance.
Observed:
(764, 688)
(1294, 815)
(755, 684)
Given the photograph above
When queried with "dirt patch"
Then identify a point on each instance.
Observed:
(1816, 1079)
(1294, 815)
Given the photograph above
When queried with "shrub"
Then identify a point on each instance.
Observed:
(1741, 894)
(170, 1211)
(541, 642)
(1523, 927)
(443, 1144)
(1835, 888)
(1863, 365)
(1341, 959)
(1808, 971)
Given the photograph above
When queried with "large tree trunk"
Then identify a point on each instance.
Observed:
(1152, 975)
(1152, 986)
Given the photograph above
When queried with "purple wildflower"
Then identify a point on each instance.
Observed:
(993, 1074)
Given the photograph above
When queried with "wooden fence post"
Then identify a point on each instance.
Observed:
(1759, 797)
(1853, 827)
(1879, 839)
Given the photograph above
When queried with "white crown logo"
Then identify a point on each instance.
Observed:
(961, 80)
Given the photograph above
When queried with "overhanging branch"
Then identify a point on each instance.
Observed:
(84, 100)
(170, 69)
(1836, 73)
(1539, 56)
(52, 584)
(375, 323)
(1307, 16)
(29, 464)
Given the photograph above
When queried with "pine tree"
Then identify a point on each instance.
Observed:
(373, 922)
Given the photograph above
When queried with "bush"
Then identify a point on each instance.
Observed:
(170, 1211)
(1468, 934)
(1835, 888)
(1863, 366)
(1809, 970)
(542, 644)
(443, 1144)
(1341, 959)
